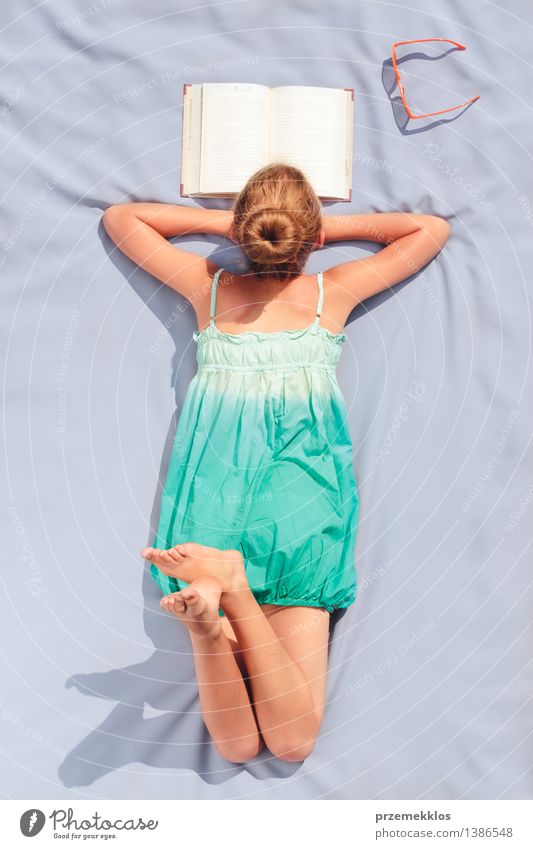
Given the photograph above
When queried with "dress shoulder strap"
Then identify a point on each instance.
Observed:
(213, 307)
(320, 297)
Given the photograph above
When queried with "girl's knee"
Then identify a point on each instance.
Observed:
(291, 749)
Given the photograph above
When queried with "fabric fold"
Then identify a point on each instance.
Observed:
(262, 462)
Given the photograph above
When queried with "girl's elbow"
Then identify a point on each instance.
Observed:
(109, 213)
(446, 227)
(439, 230)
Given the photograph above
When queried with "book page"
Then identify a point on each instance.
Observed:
(234, 136)
(308, 130)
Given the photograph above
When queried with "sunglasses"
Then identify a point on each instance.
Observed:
(400, 85)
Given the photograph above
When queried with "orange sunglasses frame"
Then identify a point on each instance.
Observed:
(400, 85)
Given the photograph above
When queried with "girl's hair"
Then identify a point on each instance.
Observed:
(276, 220)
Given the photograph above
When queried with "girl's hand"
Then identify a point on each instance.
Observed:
(230, 234)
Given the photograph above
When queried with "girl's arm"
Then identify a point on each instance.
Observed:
(411, 241)
(140, 230)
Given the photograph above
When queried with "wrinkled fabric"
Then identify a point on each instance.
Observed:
(262, 462)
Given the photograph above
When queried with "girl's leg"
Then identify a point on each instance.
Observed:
(285, 652)
(224, 700)
(283, 697)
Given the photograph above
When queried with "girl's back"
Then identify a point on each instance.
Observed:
(255, 303)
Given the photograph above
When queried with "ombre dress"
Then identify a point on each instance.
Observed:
(262, 462)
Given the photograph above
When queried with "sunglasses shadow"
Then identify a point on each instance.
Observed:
(401, 117)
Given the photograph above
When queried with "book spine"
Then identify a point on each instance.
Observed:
(185, 87)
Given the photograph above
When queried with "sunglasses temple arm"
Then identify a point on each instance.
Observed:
(422, 40)
(441, 111)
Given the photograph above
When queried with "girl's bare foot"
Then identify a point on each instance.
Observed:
(197, 605)
(188, 561)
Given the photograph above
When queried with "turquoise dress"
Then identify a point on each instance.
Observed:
(262, 461)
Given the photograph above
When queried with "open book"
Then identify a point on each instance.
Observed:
(232, 129)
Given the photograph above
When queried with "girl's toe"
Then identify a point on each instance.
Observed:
(186, 548)
(167, 599)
